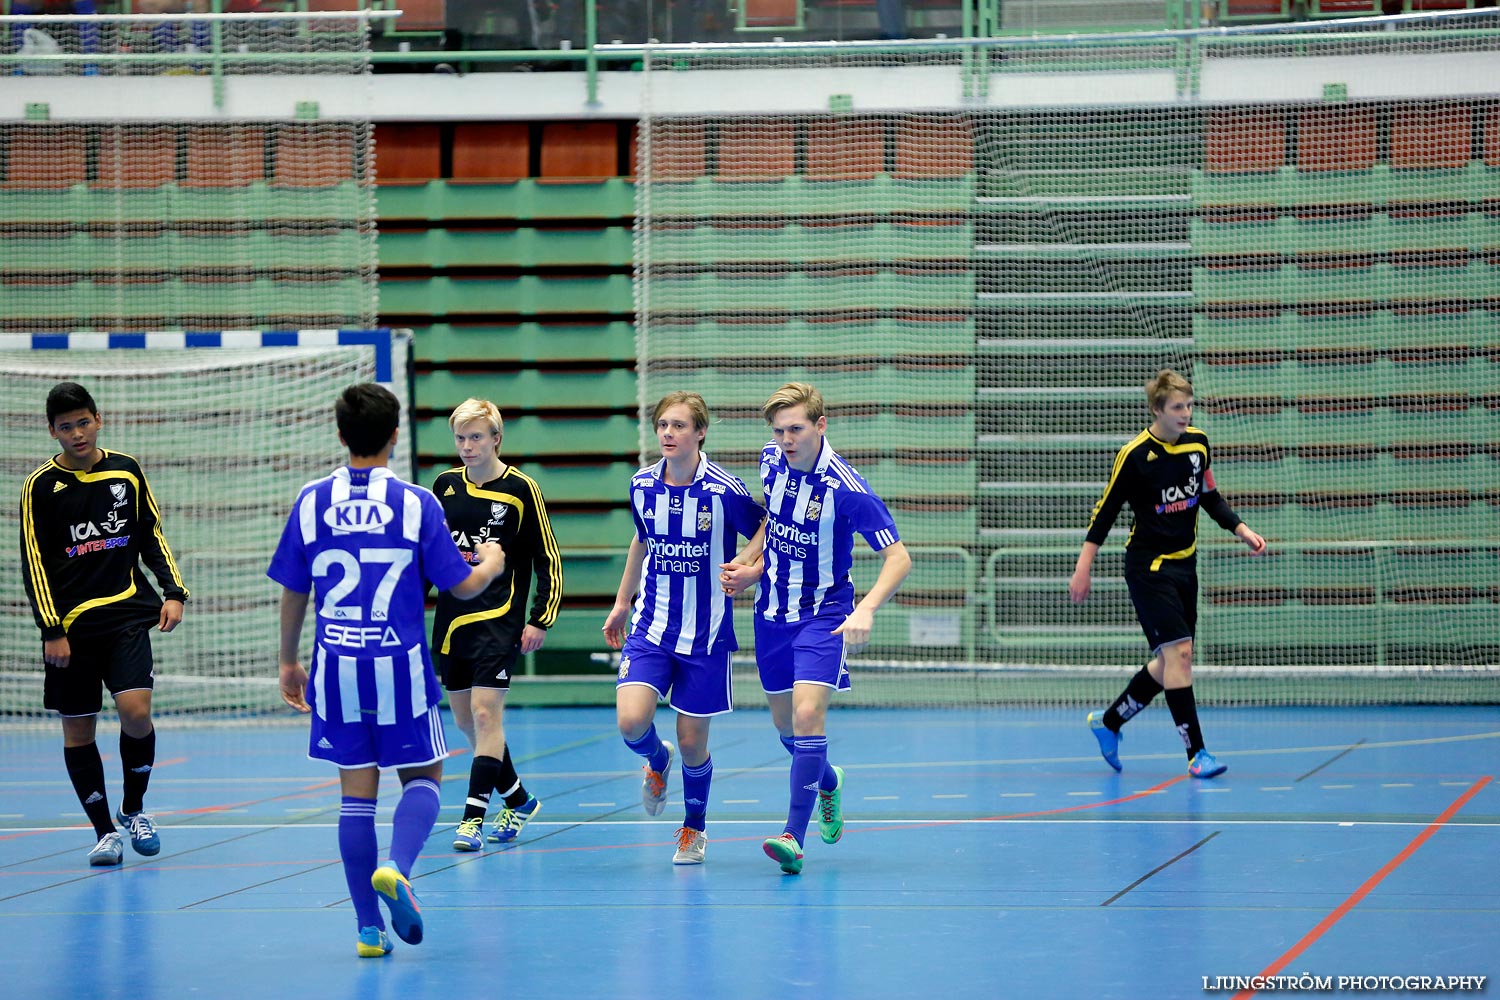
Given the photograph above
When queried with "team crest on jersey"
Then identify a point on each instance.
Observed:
(117, 490)
(624, 667)
(705, 520)
(814, 508)
(497, 513)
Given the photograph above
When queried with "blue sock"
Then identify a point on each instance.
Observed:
(359, 849)
(695, 782)
(809, 761)
(412, 824)
(829, 781)
(650, 747)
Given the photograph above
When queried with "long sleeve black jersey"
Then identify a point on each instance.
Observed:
(83, 538)
(509, 510)
(1164, 484)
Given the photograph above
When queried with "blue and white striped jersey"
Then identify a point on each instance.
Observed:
(688, 531)
(811, 518)
(366, 543)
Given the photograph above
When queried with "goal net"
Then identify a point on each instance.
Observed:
(195, 172)
(227, 431)
(980, 251)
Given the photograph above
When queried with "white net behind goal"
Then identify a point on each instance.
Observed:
(226, 438)
(980, 252)
(200, 172)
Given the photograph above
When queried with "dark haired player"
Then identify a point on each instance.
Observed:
(88, 520)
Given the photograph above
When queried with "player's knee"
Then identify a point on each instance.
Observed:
(693, 745)
(484, 720)
(807, 721)
(135, 719)
(632, 726)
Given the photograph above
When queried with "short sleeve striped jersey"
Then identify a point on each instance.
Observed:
(367, 543)
(811, 520)
(687, 532)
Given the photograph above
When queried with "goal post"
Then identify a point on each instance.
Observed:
(227, 426)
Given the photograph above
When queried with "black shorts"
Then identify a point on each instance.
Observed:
(120, 661)
(460, 673)
(1165, 599)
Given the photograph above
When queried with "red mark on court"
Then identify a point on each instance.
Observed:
(1370, 883)
(1094, 805)
(304, 793)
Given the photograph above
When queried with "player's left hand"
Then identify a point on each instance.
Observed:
(856, 628)
(171, 615)
(735, 578)
(532, 638)
(294, 686)
(1256, 542)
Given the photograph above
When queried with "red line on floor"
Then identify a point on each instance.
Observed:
(303, 794)
(1327, 922)
(1093, 805)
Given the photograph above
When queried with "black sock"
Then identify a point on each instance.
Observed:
(509, 783)
(137, 758)
(1136, 696)
(483, 774)
(1184, 708)
(86, 770)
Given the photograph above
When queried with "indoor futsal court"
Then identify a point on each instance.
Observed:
(986, 853)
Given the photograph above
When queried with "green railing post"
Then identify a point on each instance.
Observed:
(591, 58)
(967, 64)
(216, 33)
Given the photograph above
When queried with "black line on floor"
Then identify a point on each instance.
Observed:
(1161, 867)
(1330, 760)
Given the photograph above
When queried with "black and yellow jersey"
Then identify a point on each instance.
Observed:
(1164, 484)
(510, 510)
(83, 538)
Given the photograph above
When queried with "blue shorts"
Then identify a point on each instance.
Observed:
(698, 685)
(380, 712)
(803, 652)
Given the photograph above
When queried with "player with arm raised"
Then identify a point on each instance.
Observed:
(1164, 474)
(805, 615)
(671, 620)
(368, 543)
(88, 521)
(476, 643)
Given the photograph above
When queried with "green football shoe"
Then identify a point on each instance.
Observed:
(831, 811)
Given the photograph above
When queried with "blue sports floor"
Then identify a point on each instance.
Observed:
(986, 854)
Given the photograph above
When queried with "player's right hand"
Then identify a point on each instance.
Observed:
(617, 626)
(57, 652)
(294, 686)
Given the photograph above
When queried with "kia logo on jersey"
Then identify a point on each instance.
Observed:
(357, 515)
